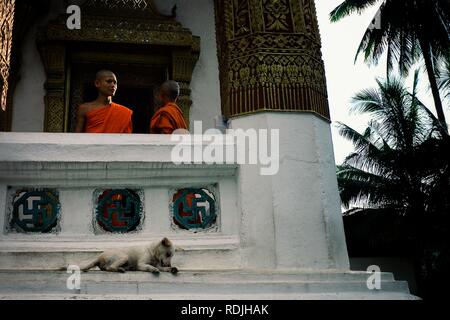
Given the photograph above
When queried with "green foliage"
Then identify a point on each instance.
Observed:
(408, 30)
(443, 73)
(398, 178)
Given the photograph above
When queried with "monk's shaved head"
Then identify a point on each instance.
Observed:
(103, 73)
(171, 89)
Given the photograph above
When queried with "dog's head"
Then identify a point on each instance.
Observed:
(165, 251)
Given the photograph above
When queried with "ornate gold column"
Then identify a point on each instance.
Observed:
(54, 57)
(6, 35)
(270, 58)
(25, 14)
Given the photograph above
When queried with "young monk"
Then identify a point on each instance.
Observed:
(102, 115)
(169, 116)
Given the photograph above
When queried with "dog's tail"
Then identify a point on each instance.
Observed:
(90, 265)
(84, 268)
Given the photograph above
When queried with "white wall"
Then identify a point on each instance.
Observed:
(198, 16)
(76, 165)
(292, 219)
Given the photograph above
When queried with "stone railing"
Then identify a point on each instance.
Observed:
(68, 194)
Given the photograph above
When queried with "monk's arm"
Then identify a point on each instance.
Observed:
(80, 119)
(129, 128)
(164, 126)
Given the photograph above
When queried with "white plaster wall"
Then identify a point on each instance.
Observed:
(76, 211)
(77, 164)
(198, 16)
(28, 103)
(302, 218)
(2, 208)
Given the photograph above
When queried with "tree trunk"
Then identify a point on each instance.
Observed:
(433, 83)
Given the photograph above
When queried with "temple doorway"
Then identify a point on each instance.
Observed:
(136, 86)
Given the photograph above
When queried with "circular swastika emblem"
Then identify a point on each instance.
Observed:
(119, 210)
(35, 211)
(194, 208)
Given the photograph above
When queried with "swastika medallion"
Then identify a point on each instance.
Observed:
(194, 208)
(35, 211)
(119, 210)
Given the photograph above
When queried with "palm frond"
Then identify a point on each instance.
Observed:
(359, 140)
(389, 167)
(443, 75)
(358, 186)
(367, 101)
(350, 6)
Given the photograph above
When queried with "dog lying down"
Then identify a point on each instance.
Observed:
(154, 258)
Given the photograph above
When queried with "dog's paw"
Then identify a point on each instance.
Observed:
(154, 271)
(122, 270)
(174, 270)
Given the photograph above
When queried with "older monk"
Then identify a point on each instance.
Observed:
(169, 117)
(102, 115)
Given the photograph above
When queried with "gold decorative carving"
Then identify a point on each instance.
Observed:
(6, 35)
(54, 114)
(257, 15)
(53, 57)
(25, 14)
(140, 8)
(277, 15)
(140, 36)
(273, 64)
(241, 14)
(298, 17)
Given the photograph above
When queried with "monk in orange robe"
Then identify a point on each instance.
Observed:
(102, 115)
(169, 117)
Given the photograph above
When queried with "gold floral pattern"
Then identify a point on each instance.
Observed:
(6, 27)
(277, 65)
(277, 15)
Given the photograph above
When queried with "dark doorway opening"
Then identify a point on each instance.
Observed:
(135, 90)
(139, 100)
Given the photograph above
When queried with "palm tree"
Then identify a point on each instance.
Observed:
(408, 30)
(398, 178)
(381, 172)
(443, 73)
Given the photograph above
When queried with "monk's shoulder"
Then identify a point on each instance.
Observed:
(170, 110)
(176, 109)
(85, 107)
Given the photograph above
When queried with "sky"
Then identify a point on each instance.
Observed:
(340, 41)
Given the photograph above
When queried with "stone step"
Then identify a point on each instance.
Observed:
(199, 276)
(198, 285)
(206, 253)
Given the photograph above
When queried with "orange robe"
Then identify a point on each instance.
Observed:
(167, 119)
(110, 119)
